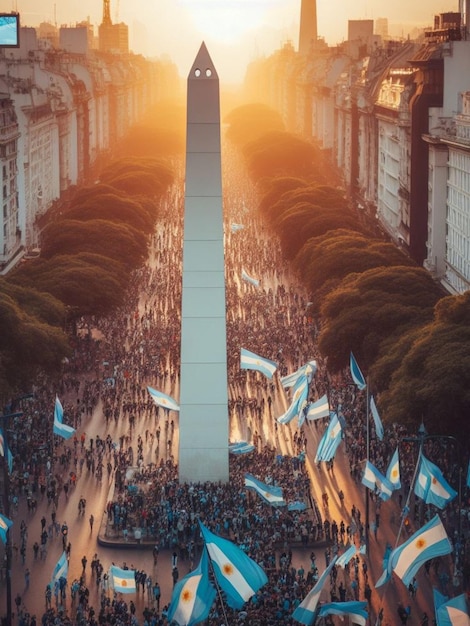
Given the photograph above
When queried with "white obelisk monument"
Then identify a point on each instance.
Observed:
(203, 421)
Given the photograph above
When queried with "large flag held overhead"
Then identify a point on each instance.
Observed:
(269, 493)
(431, 486)
(192, 596)
(355, 610)
(63, 430)
(379, 429)
(330, 441)
(427, 543)
(61, 569)
(318, 409)
(237, 574)
(251, 361)
(5, 524)
(308, 370)
(356, 373)
(161, 399)
(299, 398)
(241, 447)
(376, 481)
(247, 278)
(452, 612)
(393, 470)
(122, 580)
(305, 612)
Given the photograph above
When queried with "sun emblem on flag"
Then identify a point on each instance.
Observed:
(163, 400)
(434, 480)
(186, 595)
(394, 473)
(258, 362)
(123, 582)
(420, 543)
(227, 569)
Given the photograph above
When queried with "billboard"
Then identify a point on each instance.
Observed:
(9, 30)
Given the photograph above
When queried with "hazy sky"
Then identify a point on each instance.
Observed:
(235, 31)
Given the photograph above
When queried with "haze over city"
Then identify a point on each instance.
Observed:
(235, 31)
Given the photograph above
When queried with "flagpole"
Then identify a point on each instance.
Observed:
(219, 591)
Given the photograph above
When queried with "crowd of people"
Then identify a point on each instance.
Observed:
(105, 380)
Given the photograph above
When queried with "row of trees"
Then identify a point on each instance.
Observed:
(88, 253)
(367, 295)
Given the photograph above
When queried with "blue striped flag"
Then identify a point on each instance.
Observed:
(306, 610)
(122, 580)
(347, 555)
(161, 399)
(452, 612)
(241, 447)
(330, 441)
(393, 470)
(236, 573)
(376, 481)
(299, 398)
(251, 361)
(379, 429)
(427, 543)
(193, 596)
(356, 373)
(318, 409)
(62, 430)
(248, 279)
(271, 494)
(61, 569)
(431, 486)
(355, 610)
(308, 369)
(5, 524)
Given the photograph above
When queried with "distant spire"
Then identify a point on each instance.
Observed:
(308, 25)
(106, 13)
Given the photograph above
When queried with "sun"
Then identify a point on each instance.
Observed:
(226, 20)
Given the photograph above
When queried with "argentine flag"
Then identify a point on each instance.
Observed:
(305, 612)
(374, 480)
(379, 429)
(161, 399)
(58, 428)
(193, 596)
(237, 575)
(308, 369)
(61, 569)
(251, 361)
(344, 559)
(431, 486)
(452, 612)
(122, 580)
(5, 524)
(355, 610)
(330, 441)
(318, 409)
(299, 398)
(249, 279)
(241, 447)
(269, 493)
(393, 471)
(356, 373)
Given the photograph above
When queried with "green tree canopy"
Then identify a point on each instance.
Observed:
(249, 122)
(89, 284)
(42, 306)
(370, 307)
(117, 241)
(138, 176)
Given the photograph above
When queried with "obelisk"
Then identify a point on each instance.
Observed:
(203, 421)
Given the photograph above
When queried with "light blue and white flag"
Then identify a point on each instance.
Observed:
(161, 399)
(431, 486)
(308, 369)
(237, 575)
(344, 559)
(5, 524)
(193, 596)
(427, 543)
(452, 612)
(122, 580)
(251, 361)
(247, 278)
(393, 471)
(236, 227)
(61, 569)
(330, 441)
(379, 429)
(271, 494)
(355, 610)
(299, 398)
(62, 430)
(241, 447)
(356, 373)
(376, 481)
(306, 610)
(5, 451)
(318, 409)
